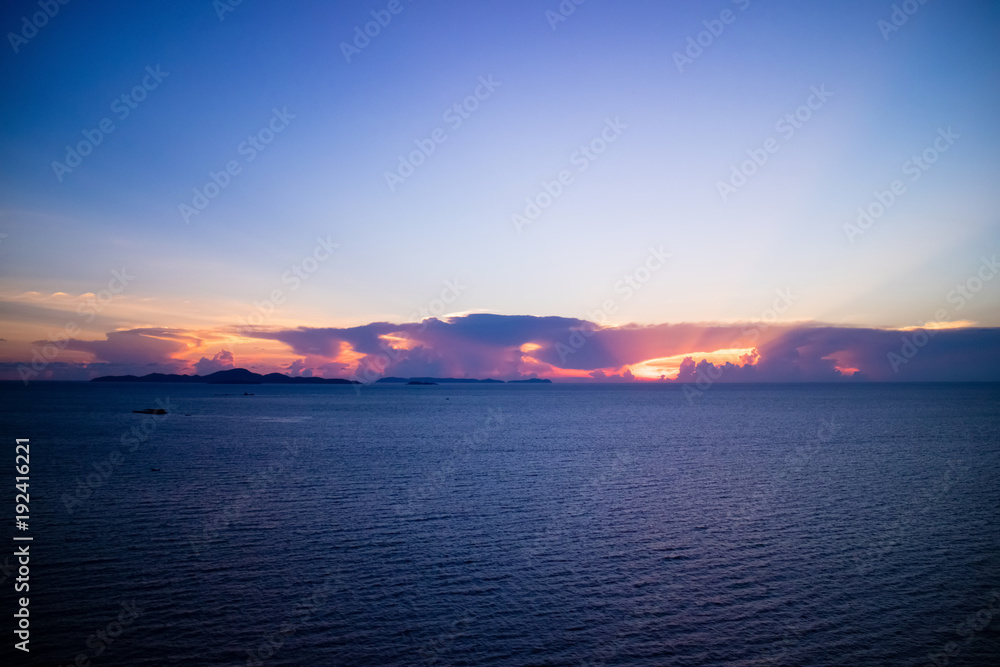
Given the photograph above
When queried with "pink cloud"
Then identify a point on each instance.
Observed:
(516, 347)
(223, 360)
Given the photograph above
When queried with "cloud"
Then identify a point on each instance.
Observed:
(487, 345)
(137, 346)
(58, 315)
(601, 376)
(504, 347)
(223, 360)
(134, 352)
(484, 345)
(826, 354)
(298, 367)
(471, 346)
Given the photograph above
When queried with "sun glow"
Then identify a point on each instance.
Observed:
(668, 367)
(932, 325)
(398, 341)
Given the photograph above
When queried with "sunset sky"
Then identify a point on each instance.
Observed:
(595, 194)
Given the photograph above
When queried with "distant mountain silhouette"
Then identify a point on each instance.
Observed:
(531, 381)
(395, 380)
(231, 376)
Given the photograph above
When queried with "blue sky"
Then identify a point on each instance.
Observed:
(656, 185)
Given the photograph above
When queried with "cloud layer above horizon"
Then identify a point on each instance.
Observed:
(517, 347)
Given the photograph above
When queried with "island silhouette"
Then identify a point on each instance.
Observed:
(230, 376)
(243, 376)
(428, 380)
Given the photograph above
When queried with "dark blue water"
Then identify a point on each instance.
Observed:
(510, 525)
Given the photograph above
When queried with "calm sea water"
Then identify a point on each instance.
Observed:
(510, 525)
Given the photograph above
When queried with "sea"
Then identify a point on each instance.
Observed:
(509, 524)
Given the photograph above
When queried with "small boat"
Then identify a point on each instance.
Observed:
(150, 411)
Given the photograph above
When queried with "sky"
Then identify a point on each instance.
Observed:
(578, 190)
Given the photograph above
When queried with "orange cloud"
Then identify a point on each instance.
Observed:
(516, 347)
